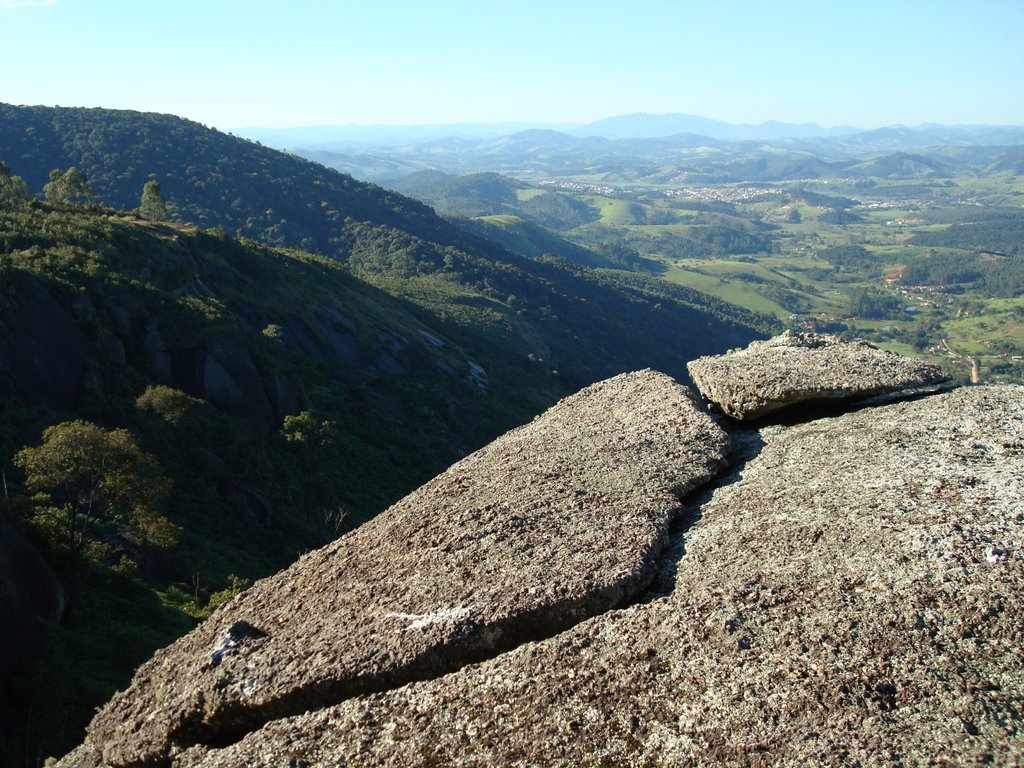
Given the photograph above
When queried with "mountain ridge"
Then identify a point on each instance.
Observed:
(545, 154)
(639, 125)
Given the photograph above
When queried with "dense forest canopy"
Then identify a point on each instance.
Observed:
(1000, 234)
(208, 177)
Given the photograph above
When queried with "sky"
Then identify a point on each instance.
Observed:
(274, 63)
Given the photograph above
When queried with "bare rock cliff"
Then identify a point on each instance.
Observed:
(846, 594)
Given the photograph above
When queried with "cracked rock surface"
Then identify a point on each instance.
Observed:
(795, 368)
(848, 595)
(556, 521)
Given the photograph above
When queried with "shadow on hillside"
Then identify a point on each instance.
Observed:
(650, 266)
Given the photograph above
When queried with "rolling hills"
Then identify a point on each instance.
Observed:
(398, 244)
(644, 150)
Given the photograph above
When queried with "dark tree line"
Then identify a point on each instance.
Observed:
(993, 275)
(1000, 235)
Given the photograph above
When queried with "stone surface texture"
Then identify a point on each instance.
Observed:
(848, 595)
(796, 368)
(559, 520)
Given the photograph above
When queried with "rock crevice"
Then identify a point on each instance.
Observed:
(559, 520)
(851, 595)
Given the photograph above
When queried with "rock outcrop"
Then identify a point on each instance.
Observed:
(850, 598)
(43, 354)
(223, 372)
(794, 368)
(559, 520)
(30, 594)
(848, 594)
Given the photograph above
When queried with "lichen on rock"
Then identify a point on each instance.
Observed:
(837, 604)
(559, 520)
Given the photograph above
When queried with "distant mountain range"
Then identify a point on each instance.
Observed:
(644, 126)
(640, 148)
(635, 126)
(383, 135)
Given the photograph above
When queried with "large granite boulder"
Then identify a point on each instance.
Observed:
(559, 520)
(849, 595)
(796, 368)
(223, 372)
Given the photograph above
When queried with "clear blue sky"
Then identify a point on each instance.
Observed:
(234, 63)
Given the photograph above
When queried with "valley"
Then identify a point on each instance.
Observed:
(928, 267)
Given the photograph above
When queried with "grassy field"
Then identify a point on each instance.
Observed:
(528, 194)
(792, 281)
(616, 212)
(734, 291)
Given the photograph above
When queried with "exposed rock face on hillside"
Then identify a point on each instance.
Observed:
(848, 595)
(794, 368)
(559, 520)
(29, 591)
(852, 597)
(43, 353)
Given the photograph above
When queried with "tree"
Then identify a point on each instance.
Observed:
(314, 443)
(11, 187)
(89, 475)
(54, 189)
(152, 205)
(67, 187)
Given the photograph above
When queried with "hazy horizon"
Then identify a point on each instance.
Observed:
(576, 125)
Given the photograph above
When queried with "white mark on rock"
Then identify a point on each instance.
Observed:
(421, 620)
(226, 646)
(996, 555)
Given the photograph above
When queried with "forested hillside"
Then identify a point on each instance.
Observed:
(208, 177)
(400, 245)
(248, 401)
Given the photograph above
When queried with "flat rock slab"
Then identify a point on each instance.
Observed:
(561, 519)
(849, 596)
(795, 368)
